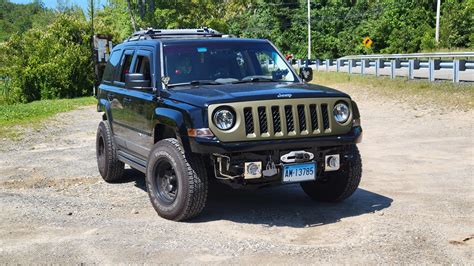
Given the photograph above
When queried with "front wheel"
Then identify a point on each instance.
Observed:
(337, 186)
(176, 181)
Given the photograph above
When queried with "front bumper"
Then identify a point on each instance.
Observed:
(209, 146)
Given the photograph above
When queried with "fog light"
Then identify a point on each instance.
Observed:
(332, 163)
(253, 170)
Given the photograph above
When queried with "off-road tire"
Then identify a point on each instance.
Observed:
(110, 168)
(190, 173)
(338, 185)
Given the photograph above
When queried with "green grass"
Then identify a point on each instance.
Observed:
(443, 94)
(15, 116)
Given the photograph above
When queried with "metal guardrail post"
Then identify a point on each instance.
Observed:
(431, 76)
(377, 67)
(317, 65)
(362, 67)
(432, 66)
(338, 65)
(394, 64)
(352, 63)
(327, 65)
(456, 71)
(392, 69)
(411, 69)
(412, 66)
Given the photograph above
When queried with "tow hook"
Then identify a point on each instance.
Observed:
(297, 157)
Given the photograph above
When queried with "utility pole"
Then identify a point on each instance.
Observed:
(438, 10)
(91, 12)
(309, 29)
(94, 58)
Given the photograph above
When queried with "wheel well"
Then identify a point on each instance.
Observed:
(164, 132)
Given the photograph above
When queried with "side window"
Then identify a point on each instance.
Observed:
(126, 62)
(143, 66)
(111, 65)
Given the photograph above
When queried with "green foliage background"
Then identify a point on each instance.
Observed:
(45, 54)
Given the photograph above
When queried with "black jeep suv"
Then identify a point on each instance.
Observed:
(189, 107)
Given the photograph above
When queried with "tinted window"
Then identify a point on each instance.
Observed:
(224, 62)
(111, 65)
(126, 62)
(143, 66)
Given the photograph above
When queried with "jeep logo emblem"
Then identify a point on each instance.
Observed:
(284, 95)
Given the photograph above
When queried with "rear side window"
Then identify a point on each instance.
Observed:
(126, 62)
(111, 65)
(143, 66)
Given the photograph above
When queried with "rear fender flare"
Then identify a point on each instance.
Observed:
(104, 106)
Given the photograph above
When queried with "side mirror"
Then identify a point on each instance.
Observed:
(137, 81)
(306, 73)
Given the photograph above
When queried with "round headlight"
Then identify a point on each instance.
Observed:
(341, 113)
(224, 119)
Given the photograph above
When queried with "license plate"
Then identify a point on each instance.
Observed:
(299, 172)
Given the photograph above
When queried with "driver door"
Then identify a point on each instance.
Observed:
(139, 106)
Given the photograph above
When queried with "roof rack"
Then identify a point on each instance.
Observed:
(151, 33)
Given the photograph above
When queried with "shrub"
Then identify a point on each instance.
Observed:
(51, 63)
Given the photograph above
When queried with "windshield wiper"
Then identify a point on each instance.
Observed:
(196, 83)
(255, 79)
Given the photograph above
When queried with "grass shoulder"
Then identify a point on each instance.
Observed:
(14, 117)
(444, 94)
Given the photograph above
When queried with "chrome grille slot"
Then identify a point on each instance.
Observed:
(314, 117)
(262, 119)
(324, 108)
(276, 119)
(249, 128)
(290, 125)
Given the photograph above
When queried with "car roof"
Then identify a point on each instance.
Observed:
(204, 40)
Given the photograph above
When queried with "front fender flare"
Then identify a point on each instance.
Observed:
(174, 119)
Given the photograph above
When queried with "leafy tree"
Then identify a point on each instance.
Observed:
(54, 63)
(16, 19)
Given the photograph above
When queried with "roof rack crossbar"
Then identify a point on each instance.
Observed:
(151, 33)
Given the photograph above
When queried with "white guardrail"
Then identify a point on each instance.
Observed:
(456, 66)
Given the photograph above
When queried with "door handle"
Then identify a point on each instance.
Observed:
(110, 96)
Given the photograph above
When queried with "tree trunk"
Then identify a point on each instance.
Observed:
(132, 19)
(152, 7)
(141, 8)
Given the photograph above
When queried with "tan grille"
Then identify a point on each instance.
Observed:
(282, 119)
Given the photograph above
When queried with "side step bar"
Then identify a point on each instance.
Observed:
(132, 160)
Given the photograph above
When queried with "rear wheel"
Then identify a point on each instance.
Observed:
(339, 185)
(110, 168)
(176, 181)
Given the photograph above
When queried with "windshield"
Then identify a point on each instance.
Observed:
(224, 62)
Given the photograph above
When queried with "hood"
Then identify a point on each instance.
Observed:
(205, 95)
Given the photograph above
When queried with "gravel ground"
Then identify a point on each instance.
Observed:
(414, 205)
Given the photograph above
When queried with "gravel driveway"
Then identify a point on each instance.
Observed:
(415, 203)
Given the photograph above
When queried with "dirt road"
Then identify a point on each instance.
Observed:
(415, 203)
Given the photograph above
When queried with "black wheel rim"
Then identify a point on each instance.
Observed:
(166, 182)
